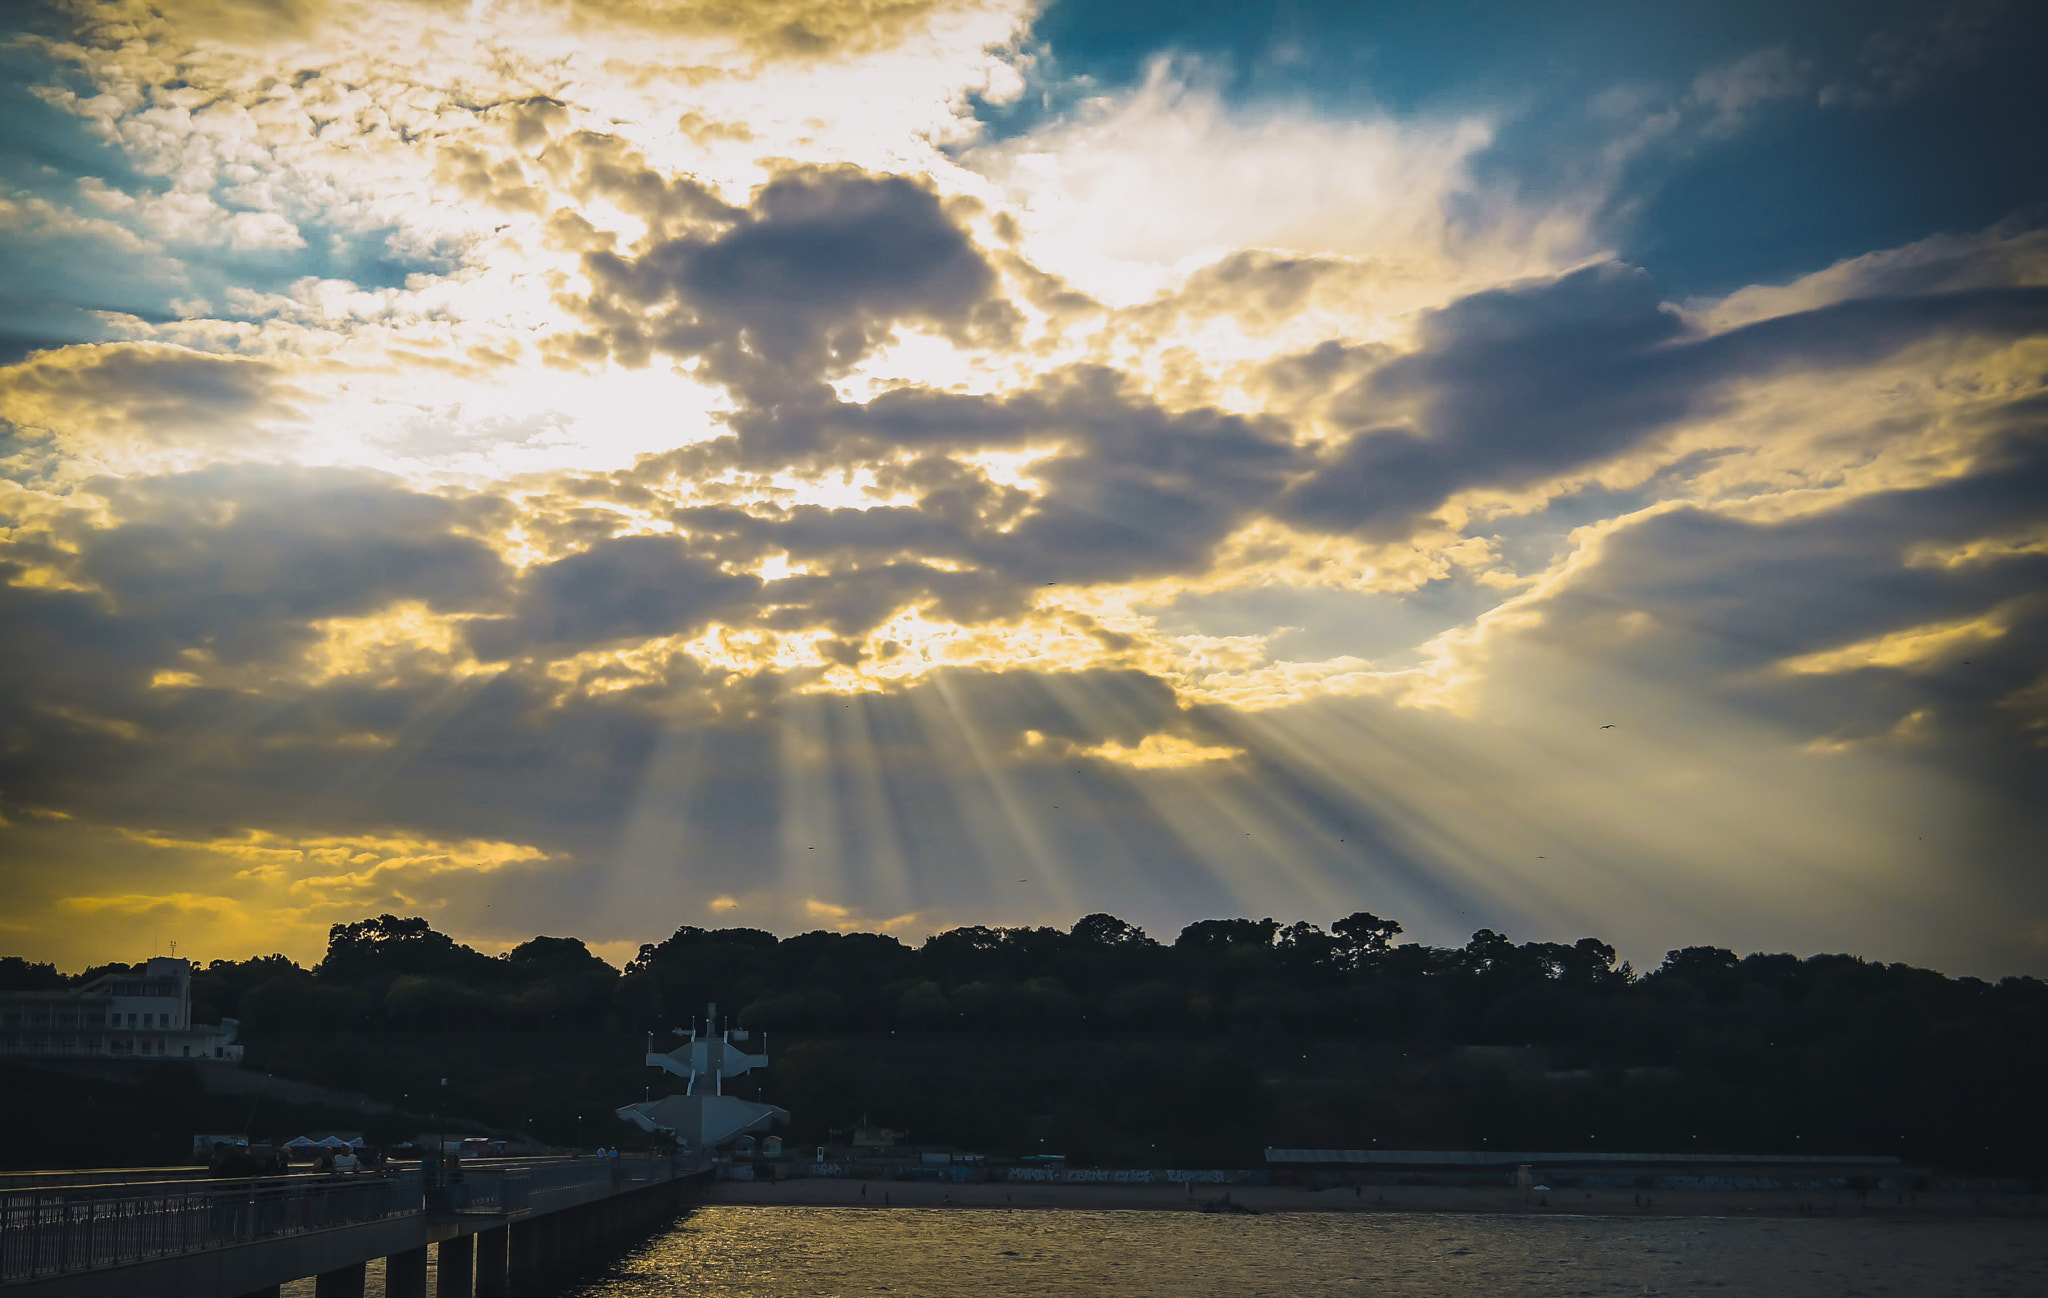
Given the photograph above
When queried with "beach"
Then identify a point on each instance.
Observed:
(843, 1192)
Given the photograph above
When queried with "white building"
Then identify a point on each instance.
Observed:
(117, 1015)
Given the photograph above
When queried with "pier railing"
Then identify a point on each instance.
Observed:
(56, 1230)
(495, 1191)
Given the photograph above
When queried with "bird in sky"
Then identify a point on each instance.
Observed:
(1607, 727)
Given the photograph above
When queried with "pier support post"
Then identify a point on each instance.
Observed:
(405, 1274)
(342, 1282)
(455, 1269)
(490, 1262)
(522, 1253)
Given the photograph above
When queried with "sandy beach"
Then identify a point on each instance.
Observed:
(848, 1193)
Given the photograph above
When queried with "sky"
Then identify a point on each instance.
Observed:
(588, 467)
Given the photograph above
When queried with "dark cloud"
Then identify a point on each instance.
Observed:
(634, 587)
(823, 264)
(1511, 385)
(1707, 605)
(110, 394)
(1134, 490)
(222, 572)
(240, 560)
(593, 165)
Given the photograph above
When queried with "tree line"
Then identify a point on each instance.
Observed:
(1308, 1034)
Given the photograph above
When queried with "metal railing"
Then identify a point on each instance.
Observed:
(57, 1230)
(486, 1192)
(556, 1180)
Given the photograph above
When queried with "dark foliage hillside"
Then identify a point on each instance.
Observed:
(1106, 1045)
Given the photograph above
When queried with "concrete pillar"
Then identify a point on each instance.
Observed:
(405, 1274)
(490, 1262)
(522, 1253)
(547, 1239)
(342, 1282)
(455, 1267)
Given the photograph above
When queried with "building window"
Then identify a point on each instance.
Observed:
(149, 1020)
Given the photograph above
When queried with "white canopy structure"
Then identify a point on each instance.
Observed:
(704, 1116)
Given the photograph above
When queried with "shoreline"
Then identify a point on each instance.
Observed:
(1262, 1199)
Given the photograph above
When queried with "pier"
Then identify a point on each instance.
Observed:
(494, 1230)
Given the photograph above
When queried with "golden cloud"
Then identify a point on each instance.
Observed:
(845, 919)
(1914, 647)
(1159, 752)
(353, 870)
(127, 407)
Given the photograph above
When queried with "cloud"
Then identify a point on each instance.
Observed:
(1160, 753)
(1918, 646)
(575, 459)
(1134, 186)
(1512, 385)
(129, 406)
(1734, 91)
(801, 29)
(822, 266)
(845, 919)
(2002, 257)
(629, 588)
(236, 559)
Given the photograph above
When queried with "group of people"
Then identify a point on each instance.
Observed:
(240, 1160)
(348, 1160)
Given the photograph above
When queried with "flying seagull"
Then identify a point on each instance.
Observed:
(1607, 727)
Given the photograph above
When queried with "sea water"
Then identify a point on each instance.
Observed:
(776, 1252)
